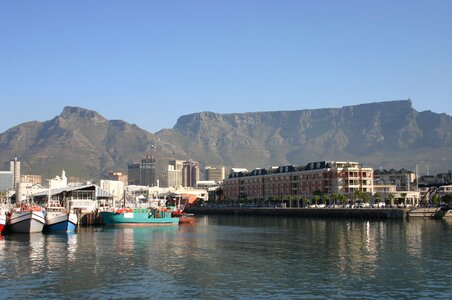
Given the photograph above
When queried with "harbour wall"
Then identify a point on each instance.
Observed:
(346, 213)
(90, 219)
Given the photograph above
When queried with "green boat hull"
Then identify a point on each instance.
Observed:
(139, 217)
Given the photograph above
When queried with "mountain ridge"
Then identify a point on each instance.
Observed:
(389, 134)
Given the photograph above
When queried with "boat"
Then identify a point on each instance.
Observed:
(178, 211)
(139, 217)
(58, 218)
(2, 220)
(186, 218)
(26, 219)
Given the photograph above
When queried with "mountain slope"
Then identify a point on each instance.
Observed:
(388, 134)
(385, 133)
(80, 141)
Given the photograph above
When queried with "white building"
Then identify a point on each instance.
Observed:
(58, 182)
(114, 187)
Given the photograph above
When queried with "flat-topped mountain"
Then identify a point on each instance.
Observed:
(389, 134)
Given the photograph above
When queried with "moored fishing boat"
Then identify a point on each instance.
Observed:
(2, 220)
(139, 217)
(58, 219)
(26, 219)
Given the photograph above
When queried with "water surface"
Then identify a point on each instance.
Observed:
(234, 257)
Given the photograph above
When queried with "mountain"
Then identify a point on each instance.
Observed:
(388, 134)
(78, 140)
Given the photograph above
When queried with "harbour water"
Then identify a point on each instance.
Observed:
(234, 257)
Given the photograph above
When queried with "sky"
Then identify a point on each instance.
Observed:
(150, 62)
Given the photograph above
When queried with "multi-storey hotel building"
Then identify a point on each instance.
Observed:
(298, 181)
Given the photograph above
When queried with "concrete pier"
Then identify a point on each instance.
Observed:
(347, 213)
(430, 212)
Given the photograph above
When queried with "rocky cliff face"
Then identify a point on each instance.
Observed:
(388, 134)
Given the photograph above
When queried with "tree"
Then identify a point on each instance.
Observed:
(365, 197)
(272, 200)
(377, 197)
(317, 193)
(391, 199)
(316, 199)
(317, 196)
(447, 199)
(289, 198)
(335, 197)
(403, 195)
(342, 199)
(357, 195)
(326, 198)
(435, 200)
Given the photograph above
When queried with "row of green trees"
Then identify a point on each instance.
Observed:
(341, 199)
(317, 198)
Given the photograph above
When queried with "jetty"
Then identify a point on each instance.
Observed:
(94, 218)
(430, 212)
(347, 213)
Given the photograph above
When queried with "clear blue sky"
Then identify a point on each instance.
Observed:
(149, 62)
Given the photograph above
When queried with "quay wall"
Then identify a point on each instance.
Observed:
(90, 219)
(347, 213)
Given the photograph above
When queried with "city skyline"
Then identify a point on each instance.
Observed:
(232, 56)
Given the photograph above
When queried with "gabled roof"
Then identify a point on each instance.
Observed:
(100, 193)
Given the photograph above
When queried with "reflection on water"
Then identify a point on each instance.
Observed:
(234, 257)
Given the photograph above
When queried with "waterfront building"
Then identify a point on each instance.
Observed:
(282, 182)
(15, 170)
(214, 173)
(445, 189)
(114, 187)
(143, 173)
(32, 179)
(148, 174)
(206, 184)
(85, 198)
(6, 181)
(135, 192)
(391, 196)
(175, 170)
(190, 173)
(23, 191)
(133, 176)
(118, 176)
(403, 179)
(10, 180)
(435, 180)
(58, 182)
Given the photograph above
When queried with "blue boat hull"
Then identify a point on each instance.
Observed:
(64, 226)
(60, 222)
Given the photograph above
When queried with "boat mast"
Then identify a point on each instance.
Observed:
(124, 199)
